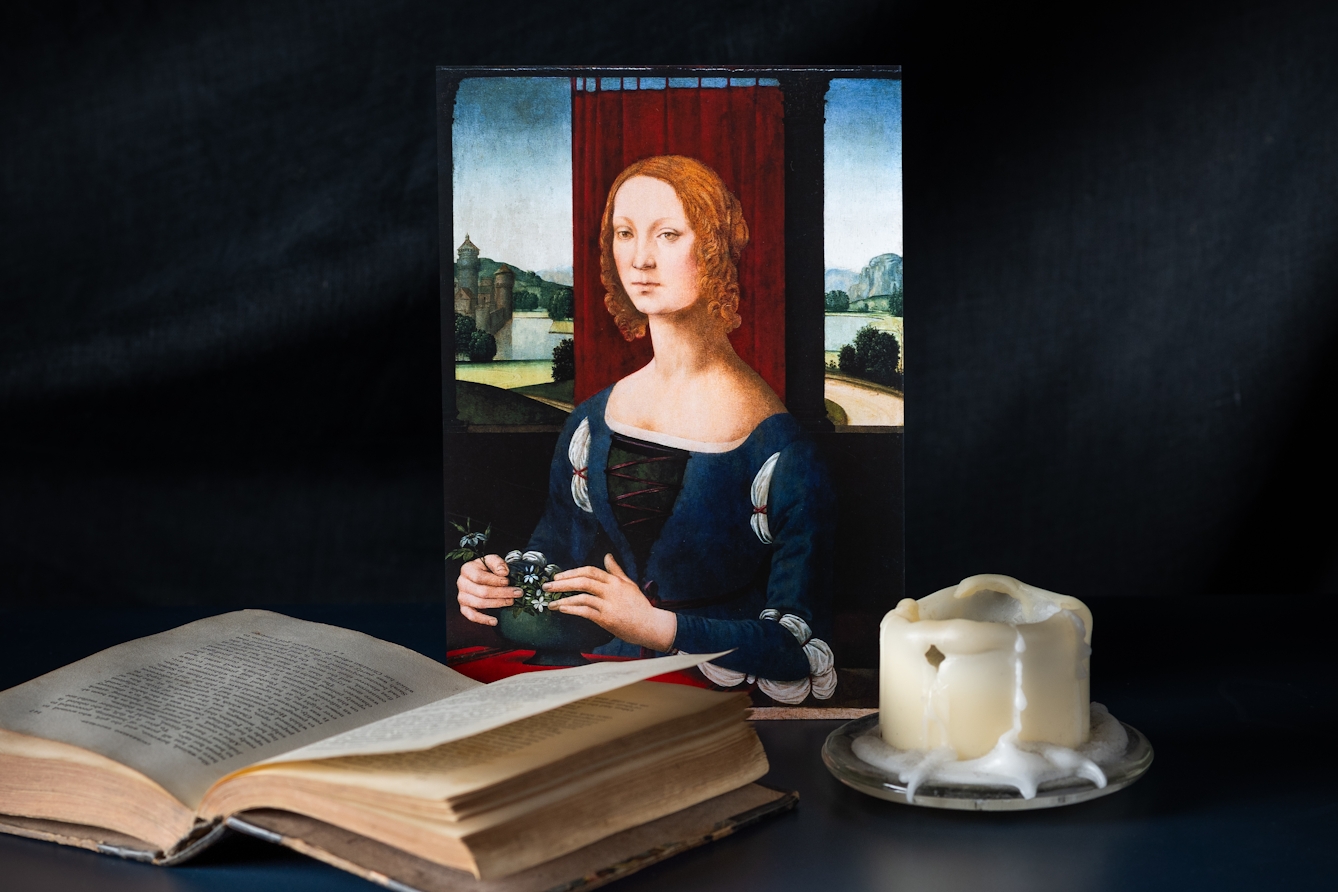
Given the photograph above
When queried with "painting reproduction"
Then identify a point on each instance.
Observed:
(672, 379)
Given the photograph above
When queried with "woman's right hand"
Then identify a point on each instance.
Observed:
(483, 585)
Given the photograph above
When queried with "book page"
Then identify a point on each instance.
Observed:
(192, 705)
(483, 760)
(489, 706)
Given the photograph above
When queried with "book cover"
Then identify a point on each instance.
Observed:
(672, 377)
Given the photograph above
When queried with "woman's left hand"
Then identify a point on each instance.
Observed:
(612, 600)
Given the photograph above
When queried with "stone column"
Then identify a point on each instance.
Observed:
(448, 83)
(805, 100)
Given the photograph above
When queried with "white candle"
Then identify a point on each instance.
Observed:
(990, 660)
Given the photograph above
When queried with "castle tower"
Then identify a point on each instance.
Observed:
(503, 285)
(467, 266)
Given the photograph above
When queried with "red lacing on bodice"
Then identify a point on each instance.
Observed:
(648, 487)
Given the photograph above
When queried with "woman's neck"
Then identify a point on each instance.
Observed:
(696, 387)
(687, 344)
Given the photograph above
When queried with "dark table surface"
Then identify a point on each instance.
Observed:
(1235, 695)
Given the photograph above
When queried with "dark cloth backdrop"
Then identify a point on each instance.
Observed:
(219, 359)
(738, 131)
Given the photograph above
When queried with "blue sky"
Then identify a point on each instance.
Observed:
(512, 143)
(862, 216)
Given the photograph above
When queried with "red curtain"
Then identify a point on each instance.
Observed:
(739, 132)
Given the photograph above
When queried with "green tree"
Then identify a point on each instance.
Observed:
(526, 300)
(464, 330)
(564, 360)
(847, 360)
(482, 347)
(878, 353)
(562, 307)
(836, 302)
(895, 302)
(873, 356)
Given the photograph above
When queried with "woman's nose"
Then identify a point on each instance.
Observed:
(644, 258)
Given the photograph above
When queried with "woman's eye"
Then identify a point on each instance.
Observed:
(669, 236)
(623, 233)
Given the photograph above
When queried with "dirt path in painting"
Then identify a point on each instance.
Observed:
(865, 405)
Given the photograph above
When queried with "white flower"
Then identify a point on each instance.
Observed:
(512, 556)
(534, 557)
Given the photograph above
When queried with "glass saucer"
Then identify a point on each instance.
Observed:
(853, 771)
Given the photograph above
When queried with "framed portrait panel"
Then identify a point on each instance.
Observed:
(673, 372)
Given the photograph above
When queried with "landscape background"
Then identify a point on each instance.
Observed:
(864, 341)
(509, 148)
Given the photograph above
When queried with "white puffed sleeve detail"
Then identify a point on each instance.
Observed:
(821, 681)
(761, 492)
(726, 678)
(821, 668)
(824, 686)
(578, 453)
(797, 627)
(820, 659)
(791, 692)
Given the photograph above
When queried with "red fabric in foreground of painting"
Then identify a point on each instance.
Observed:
(487, 665)
(740, 133)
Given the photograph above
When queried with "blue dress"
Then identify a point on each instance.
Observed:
(709, 564)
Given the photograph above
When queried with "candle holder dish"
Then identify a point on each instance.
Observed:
(851, 770)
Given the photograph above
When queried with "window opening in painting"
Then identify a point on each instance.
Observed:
(863, 303)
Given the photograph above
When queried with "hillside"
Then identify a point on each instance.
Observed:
(882, 275)
(525, 280)
(838, 279)
(562, 276)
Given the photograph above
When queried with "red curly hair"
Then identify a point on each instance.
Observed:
(717, 222)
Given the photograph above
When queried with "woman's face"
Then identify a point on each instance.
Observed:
(653, 247)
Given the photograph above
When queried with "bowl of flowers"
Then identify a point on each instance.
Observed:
(556, 638)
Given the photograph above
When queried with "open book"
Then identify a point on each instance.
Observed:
(163, 739)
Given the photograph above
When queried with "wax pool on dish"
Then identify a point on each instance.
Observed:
(986, 683)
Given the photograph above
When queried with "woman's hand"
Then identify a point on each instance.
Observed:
(483, 585)
(613, 601)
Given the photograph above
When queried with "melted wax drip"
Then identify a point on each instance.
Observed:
(1019, 764)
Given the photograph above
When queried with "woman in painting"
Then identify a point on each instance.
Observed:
(694, 512)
